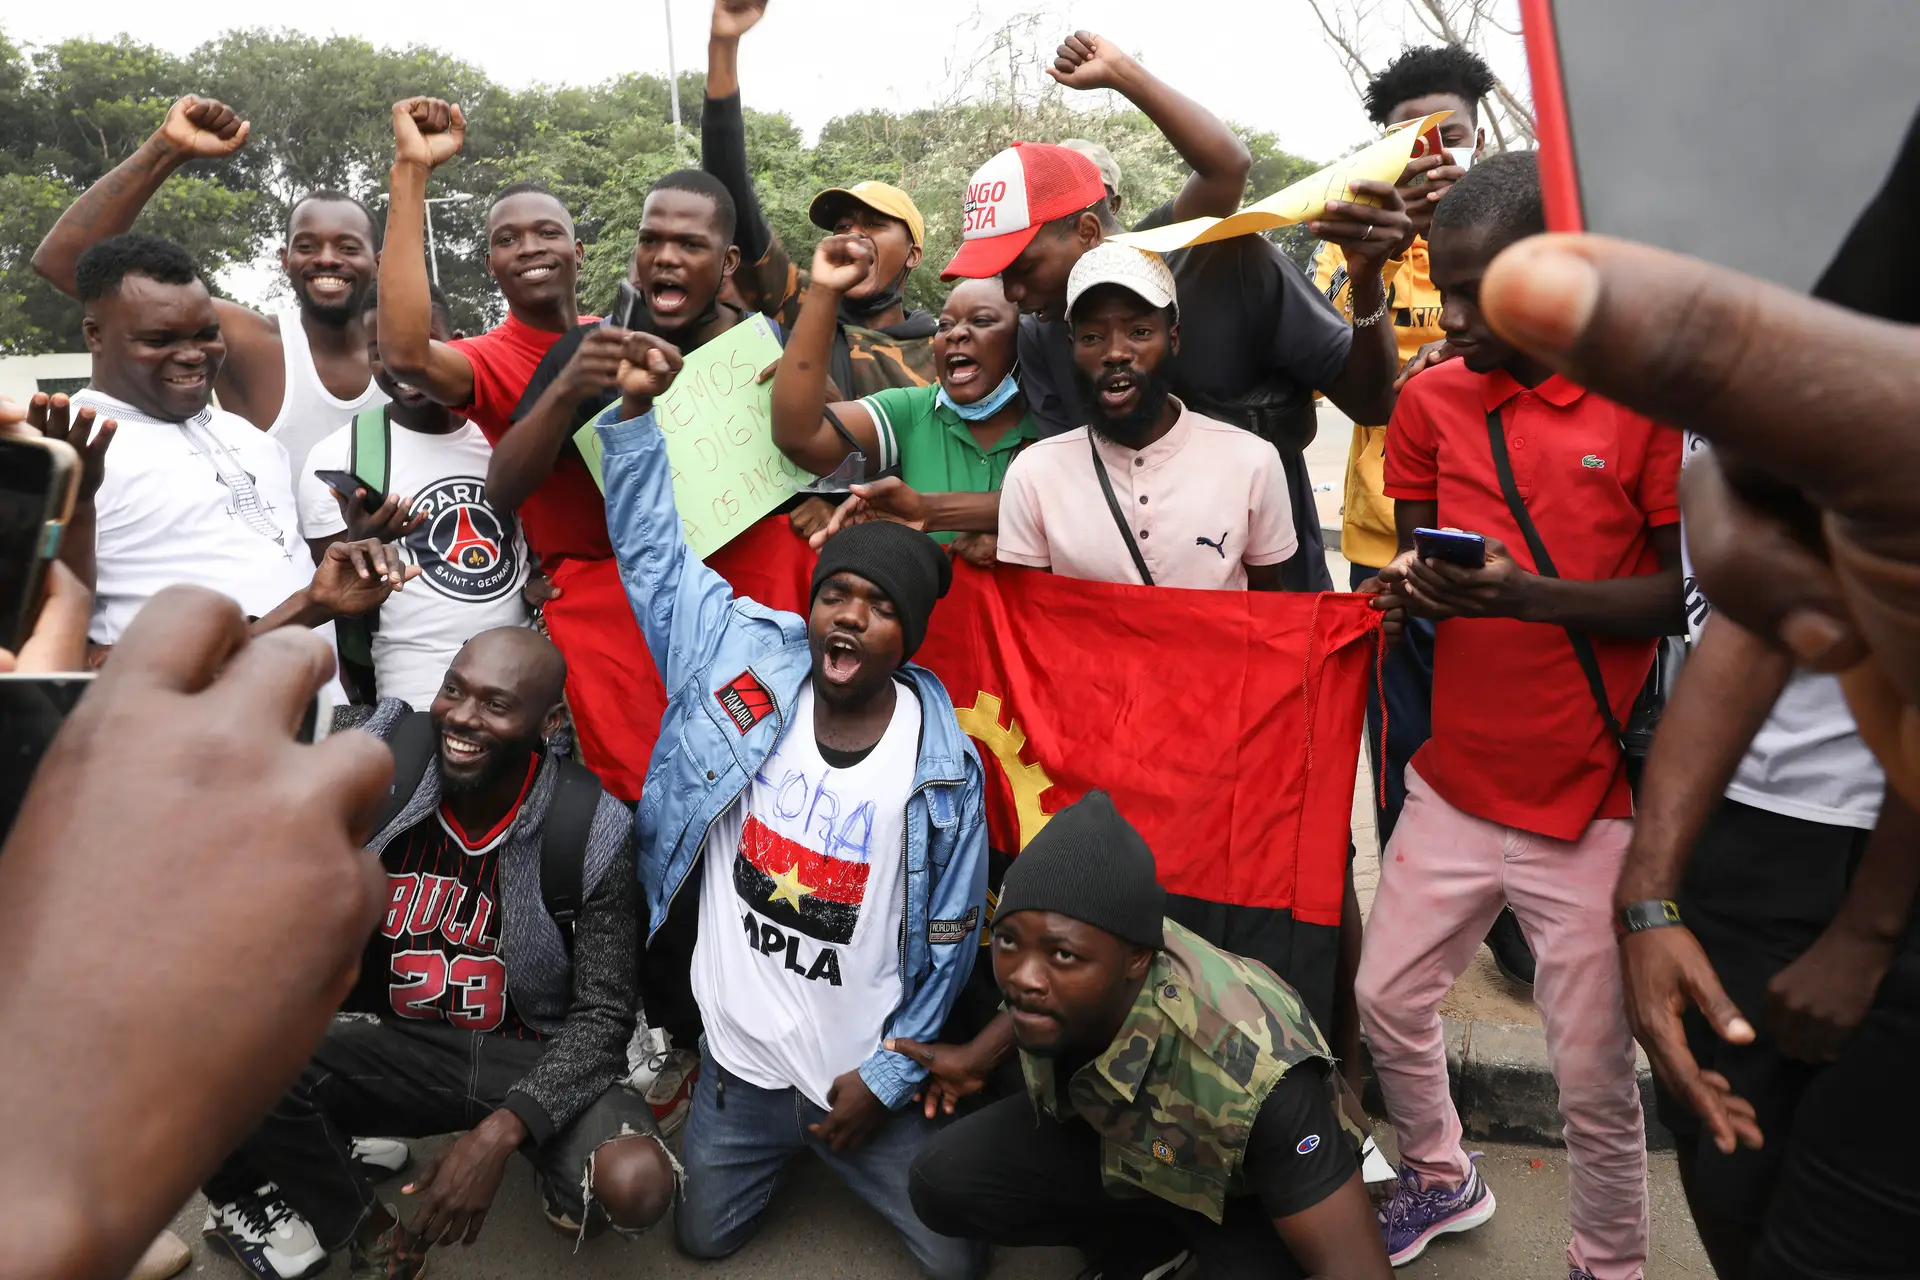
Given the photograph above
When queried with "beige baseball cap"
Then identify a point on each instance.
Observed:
(1102, 160)
(1135, 270)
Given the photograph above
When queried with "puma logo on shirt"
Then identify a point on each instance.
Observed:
(1219, 545)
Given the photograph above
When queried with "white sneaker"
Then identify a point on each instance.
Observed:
(671, 1092)
(265, 1236)
(380, 1157)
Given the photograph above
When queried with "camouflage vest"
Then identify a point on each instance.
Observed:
(1174, 1096)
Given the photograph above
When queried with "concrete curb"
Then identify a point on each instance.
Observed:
(1504, 1088)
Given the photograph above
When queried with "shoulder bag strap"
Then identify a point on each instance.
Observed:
(1119, 517)
(563, 845)
(413, 745)
(1543, 565)
(369, 455)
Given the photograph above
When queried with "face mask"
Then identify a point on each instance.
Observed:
(1463, 154)
(980, 410)
(860, 310)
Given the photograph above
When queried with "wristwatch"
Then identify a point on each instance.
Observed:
(1653, 913)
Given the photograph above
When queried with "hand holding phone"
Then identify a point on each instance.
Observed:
(39, 483)
(345, 482)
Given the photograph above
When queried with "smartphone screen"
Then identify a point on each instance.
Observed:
(1756, 134)
(27, 473)
(32, 709)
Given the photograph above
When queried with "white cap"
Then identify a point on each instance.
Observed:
(1136, 270)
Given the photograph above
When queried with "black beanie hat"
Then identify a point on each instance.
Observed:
(1089, 863)
(909, 566)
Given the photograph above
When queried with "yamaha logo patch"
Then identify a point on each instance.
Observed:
(745, 701)
(465, 549)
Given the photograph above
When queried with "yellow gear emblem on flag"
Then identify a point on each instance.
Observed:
(981, 722)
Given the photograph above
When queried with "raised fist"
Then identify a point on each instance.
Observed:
(734, 18)
(427, 131)
(840, 263)
(651, 365)
(202, 128)
(1086, 61)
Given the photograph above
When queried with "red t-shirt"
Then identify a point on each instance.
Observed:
(1516, 737)
(567, 515)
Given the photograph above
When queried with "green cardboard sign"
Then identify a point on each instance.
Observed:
(718, 422)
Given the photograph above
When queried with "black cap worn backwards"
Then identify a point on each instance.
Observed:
(909, 566)
(1089, 863)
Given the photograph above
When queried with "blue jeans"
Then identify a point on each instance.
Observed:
(734, 1153)
(1407, 677)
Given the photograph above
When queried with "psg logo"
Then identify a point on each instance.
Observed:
(465, 550)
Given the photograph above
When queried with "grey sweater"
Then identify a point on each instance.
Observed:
(583, 1007)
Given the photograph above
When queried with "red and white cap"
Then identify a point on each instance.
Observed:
(1011, 196)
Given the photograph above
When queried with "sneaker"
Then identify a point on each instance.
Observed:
(1579, 1273)
(1157, 1268)
(266, 1237)
(166, 1257)
(1511, 954)
(393, 1256)
(380, 1157)
(1417, 1214)
(1375, 1169)
(670, 1092)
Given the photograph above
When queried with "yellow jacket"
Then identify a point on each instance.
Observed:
(1367, 535)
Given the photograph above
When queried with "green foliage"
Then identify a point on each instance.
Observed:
(320, 113)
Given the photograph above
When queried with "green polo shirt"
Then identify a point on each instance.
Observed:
(934, 448)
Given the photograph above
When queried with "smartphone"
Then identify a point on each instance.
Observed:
(39, 480)
(1756, 134)
(32, 709)
(629, 308)
(345, 482)
(1468, 550)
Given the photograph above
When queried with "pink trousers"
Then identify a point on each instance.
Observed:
(1444, 876)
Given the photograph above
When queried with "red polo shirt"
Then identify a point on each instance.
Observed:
(566, 515)
(1516, 737)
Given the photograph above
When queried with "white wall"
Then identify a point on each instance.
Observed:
(19, 375)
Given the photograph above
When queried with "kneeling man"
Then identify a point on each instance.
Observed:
(1181, 1097)
(493, 1014)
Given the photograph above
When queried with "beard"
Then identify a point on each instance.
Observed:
(1131, 429)
(335, 314)
(502, 758)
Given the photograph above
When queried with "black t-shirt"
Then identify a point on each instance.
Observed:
(1297, 1154)
(436, 952)
(1249, 321)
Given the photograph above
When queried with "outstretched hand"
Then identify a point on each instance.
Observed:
(427, 131)
(202, 129)
(1664, 971)
(55, 418)
(888, 499)
(1086, 61)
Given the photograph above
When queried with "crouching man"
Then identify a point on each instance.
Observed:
(1180, 1096)
(502, 980)
(815, 816)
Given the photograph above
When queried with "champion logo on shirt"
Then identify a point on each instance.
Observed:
(465, 549)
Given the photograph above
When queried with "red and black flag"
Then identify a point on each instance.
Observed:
(791, 885)
(1226, 726)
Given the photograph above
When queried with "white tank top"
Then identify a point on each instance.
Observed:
(308, 411)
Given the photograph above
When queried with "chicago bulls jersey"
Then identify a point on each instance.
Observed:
(435, 953)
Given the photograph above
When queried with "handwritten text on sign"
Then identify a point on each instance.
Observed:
(718, 424)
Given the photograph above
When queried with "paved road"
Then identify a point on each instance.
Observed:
(815, 1228)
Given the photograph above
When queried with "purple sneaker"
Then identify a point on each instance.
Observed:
(1417, 1214)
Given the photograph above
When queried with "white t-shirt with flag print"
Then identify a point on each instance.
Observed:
(473, 562)
(797, 967)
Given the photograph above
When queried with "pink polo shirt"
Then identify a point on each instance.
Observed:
(1204, 501)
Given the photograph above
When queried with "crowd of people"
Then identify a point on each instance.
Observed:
(661, 960)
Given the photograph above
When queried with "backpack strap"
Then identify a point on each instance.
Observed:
(412, 745)
(370, 448)
(563, 845)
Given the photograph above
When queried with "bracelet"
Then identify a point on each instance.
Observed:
(1653, 913)
(1379, 312)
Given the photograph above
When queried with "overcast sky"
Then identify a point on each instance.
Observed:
(1261, 63)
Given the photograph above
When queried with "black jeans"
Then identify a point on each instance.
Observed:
(1010, 1176)
(408, 1079)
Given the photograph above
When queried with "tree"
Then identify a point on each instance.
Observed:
(1356, 28)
